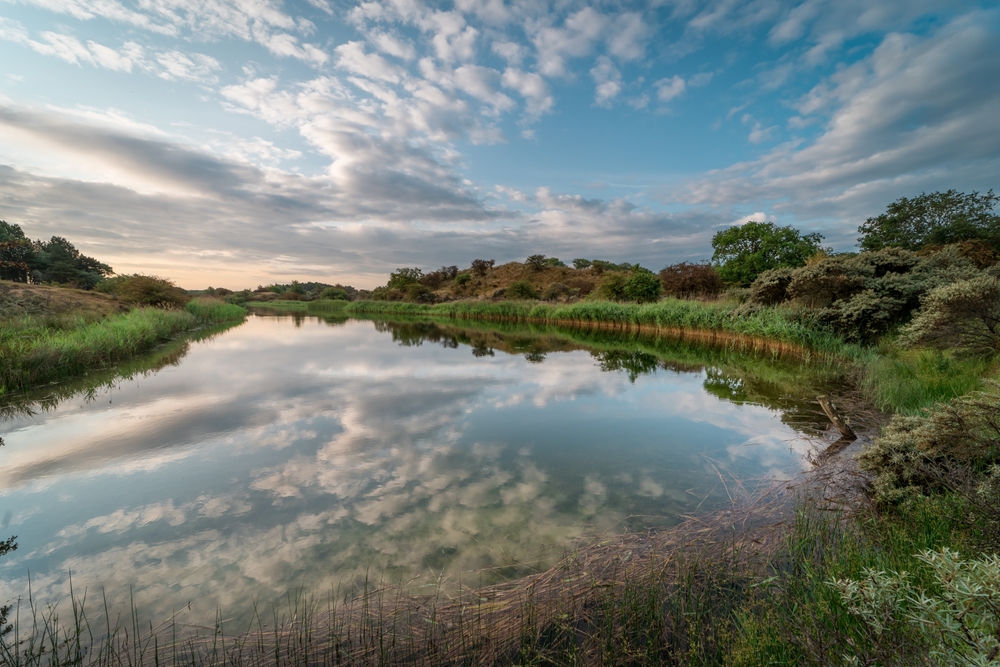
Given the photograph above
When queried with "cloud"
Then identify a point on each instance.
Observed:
(669, 88)
(533, 88)
(190, 67)
(577, 36)
(913, 115)
(608, 82)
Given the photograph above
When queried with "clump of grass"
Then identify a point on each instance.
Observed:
(212, 311)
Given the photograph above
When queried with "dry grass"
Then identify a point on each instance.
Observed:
(19, 299)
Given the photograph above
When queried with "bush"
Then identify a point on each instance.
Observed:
(581, 263)
(958, 619)
(934, 219)
(686, 280)
(482, 266)
(770, 288)
(521, 289)
(144, 290)
(292, 296)
(642, 286)
(613, 289)
(745, 251)
(462, 279)
(583, 285)
(334, 294)
(419, 294)
(556, 262)
(914, 454)
(536, 262)
(963, 315)
(557, 290)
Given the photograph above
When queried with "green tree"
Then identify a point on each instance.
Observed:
(58, 261)
(16, 253)
(537, 262)
(743, 252)
(402, 278)
(934, 219)
(642, 285)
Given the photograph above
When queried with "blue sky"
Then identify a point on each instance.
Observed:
(238, 142)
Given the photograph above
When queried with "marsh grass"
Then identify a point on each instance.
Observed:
(767, 328)
(36, 350)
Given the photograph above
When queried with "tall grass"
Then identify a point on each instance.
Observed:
(772, 324)
(35, 350)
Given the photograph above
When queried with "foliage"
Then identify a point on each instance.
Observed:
(435, 278)
(964, 315)
(555, 261)
(958, 617)
(557, 290)
(536, 262)
(914, 453)
(215, 311)
(613, 288)
(687, 280)
(642, 286)
(862, 296)
(404, 277)
(144, 290)
(6, 546)
(58, 261)
(419, 293)
(745, 251)
(14, 257)
(521, 289)
(936, 218)
(334, 294)
(462, 278)
(581, 263)
(482, 266)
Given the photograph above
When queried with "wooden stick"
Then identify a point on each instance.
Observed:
(835, 418)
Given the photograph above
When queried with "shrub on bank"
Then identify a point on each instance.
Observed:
(688, 280)
(143, 290)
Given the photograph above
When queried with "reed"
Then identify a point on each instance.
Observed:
(39, 350)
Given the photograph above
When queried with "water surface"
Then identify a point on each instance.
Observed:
(297, 452)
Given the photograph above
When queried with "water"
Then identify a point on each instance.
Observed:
(297, 453)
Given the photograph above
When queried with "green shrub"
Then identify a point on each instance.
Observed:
(613, 288)
(557, 290)
(334, 294)
(964, 315)
(520, 290)
(958, 618)
(143, 290)
(914, 455)
(581, 263)
(642, 286)
(745, 251)
(462, 279)
(419, 294)
(402, 278)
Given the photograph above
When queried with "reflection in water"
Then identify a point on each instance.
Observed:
(301, 452)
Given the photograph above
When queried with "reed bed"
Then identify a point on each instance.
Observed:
(34, 351)
(768, 328)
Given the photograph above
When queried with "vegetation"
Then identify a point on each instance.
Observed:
(934, 219)
(52, 261)
(145, 290)
(690, 281)
(743, 252)
(34, 350)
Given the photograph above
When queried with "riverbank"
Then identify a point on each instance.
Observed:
(37, 349)
(748, 586)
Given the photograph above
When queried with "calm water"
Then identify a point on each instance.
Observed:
(294, 452)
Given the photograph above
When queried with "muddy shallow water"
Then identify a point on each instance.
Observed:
(302, 453)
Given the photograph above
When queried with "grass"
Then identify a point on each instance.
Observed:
(37, 350)
(769, 324)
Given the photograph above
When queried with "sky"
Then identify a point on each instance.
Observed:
(242, 142)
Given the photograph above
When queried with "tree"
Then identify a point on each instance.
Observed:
(686, 280)
(482, 266)
(16, 252)
(934, 219)
(642, 285)
(58, 261)
(581, 263)
(536, 262)
(402, 278)
(743, 252)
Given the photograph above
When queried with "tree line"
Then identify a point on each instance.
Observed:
(54, 261)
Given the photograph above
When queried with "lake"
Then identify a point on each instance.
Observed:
(300, 453)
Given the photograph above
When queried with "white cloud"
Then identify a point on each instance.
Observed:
(629, 33)
(532, 88)
(190, 67)
(352, 58)
(575, 38)
(608, 81)
(669, 88)
(393, 45)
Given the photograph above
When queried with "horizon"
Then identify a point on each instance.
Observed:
(235, 144)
